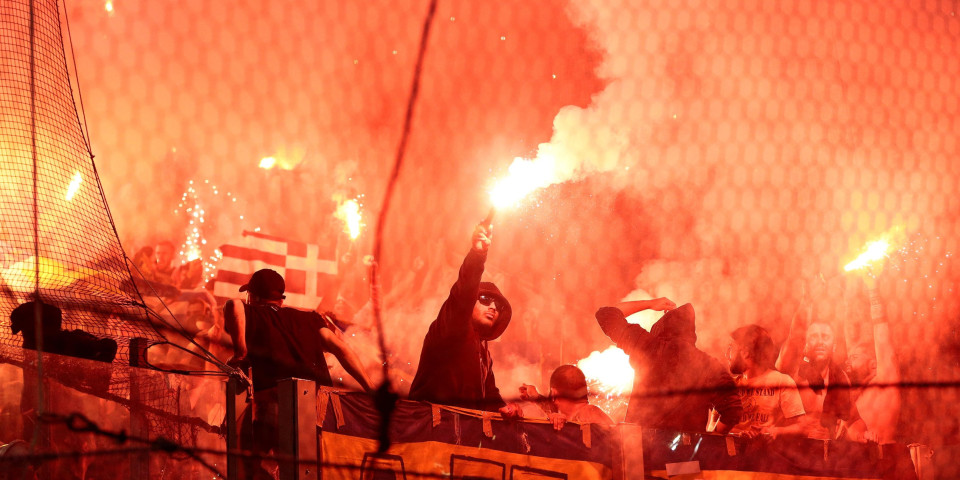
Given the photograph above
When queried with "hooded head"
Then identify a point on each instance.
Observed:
(677, 323)
(503, 309)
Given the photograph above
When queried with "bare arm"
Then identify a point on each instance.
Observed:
(235, 323)
(346, 356)
(789, 426)
(594, 414)
(634, 306)
(887, 369)
(792, 350)
(855, 432)
(723, 428)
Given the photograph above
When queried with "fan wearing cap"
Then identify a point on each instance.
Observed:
(455, 365)
(676, 385)
(279, 342)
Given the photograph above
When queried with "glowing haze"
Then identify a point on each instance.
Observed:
(718, 154)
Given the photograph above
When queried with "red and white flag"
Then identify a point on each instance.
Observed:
(309, 270)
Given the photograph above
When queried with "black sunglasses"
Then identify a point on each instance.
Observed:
(486, 300)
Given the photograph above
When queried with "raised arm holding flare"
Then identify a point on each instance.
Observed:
(875, 374)
(455, 365)
(681, 383)
(807, 357)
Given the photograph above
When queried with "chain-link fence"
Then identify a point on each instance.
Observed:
(735, 155)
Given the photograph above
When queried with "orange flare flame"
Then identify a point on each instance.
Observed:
(348, 211)
(875, 251)
(525, 176)
(610, 369)
(267, 163)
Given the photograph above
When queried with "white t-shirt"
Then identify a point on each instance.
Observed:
(768, 399)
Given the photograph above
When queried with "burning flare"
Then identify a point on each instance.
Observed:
(875, 251)
(74, 186)
(609, 371)
(267, 163)
(348, 211)
(525, 176)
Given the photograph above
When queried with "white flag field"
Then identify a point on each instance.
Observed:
(309, 270)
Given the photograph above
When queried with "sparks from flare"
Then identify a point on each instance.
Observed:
(74, 186)
(524, 177)
(609, 379)
(194, 246)
(348, 211)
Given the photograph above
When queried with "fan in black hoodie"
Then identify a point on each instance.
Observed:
(675, 384)
(455, 365)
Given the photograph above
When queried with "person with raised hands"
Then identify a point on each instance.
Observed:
(677, 387)
(873, 369)
(455, 365)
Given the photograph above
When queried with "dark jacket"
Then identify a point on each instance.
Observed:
(838, 403)
(675, 384)
(455, 365)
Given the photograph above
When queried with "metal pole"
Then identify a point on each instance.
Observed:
(298, 429)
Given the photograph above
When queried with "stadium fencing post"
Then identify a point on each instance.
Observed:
(139, 426)
(298, 429)
(631, 452)
(234, 388)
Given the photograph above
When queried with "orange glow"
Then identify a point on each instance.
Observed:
(74, 186)
(525, 176)
(348, 211)
(267, 163)
(609, 371)
(285, 157)
(21, 276)
(875, 251)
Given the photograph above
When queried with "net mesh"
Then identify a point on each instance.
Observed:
(53, 212)
(53, 215)
(731, 154)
